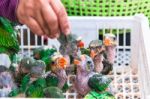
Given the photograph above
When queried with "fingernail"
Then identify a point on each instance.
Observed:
(40, 33)
(53, 36)
(57, 35)
(67, 31)
(50, 36)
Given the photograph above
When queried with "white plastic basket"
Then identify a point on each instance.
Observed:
(131, 77)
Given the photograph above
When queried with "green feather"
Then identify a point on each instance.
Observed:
(14, 93)
(65, 87)
(99, 82)
(95, 95)
(53, 92)
(35, 89)
(8, 37)
(40, 82)
(85, 51)
(47, 52)
(25, 83)
(19, 78)
(6, 24)
(52, 80)
(48, 61)
(44, 52)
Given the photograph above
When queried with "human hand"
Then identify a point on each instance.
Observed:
(44, 17)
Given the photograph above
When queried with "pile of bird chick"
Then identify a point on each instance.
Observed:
(45, 73)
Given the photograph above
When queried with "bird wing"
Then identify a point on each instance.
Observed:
(8, 37)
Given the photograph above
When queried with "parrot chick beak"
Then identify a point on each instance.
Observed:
(92, 54)
(80, 44)
(107, 42)
(58, 62)
(76, 62)
(62, 62)
(79, 61)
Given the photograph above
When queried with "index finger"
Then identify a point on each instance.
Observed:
(61, 15)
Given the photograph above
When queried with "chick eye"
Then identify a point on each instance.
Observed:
(88, 62)
(92, 48)
(114, 38)
(88, 66)
(98, 47)
(53, 62)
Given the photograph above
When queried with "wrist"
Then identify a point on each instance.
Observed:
(17, 3)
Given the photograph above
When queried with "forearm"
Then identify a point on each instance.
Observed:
(8, 9)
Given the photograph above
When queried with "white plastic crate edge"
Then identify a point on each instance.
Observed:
(144, 47)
